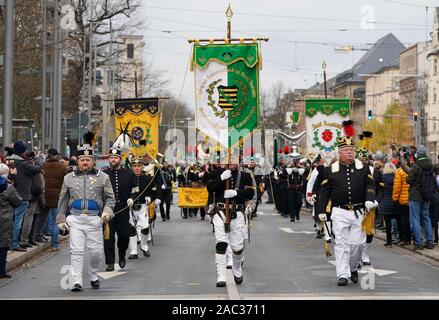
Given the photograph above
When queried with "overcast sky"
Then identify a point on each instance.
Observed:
(302, 34)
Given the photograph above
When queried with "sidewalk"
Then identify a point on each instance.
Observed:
(16, 259)
(429, 253)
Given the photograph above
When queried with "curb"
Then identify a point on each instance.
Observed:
(23, 257)
(428, 253)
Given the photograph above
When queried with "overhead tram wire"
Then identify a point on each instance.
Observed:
(281, 16)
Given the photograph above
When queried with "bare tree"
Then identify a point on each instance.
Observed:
(276, 105)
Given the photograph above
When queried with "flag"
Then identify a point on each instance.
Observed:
(226, 90)
(323, 122)
(140, 118)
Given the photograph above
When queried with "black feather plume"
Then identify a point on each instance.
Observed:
(89, 138)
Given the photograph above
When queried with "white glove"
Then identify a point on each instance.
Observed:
(201, 174)
(370, 205)
(323, 217)
(63, 226)
(226, 175)
(289, 170)
(157, 202)
(230, 194)
(130, 202)
(148, 200)
(311, 199)
(105, 217)
(163, 187)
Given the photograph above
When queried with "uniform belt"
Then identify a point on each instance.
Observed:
(294, 186)
(77, 212)
(352, 207)
(237, 207)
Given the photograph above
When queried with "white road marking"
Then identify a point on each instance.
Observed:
(289, 230)
(232, 290)
(111, 274)
(378, 272)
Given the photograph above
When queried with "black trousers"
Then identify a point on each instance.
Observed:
(195, 210)
(281, 197)
(405, 223)
(165, 201)
(294, 203)
(388, 219)
(434, 219)
(120, 225)
(3, 254)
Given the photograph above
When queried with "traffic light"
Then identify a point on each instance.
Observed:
(415, 116)
(369, 115)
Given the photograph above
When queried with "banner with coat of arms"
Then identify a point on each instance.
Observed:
(323, 125)
(226, 90)
(139, 118)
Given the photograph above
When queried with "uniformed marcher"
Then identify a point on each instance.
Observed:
(349, 185)
(86, 202)
(141, 198)
(241, 190)
(294, 191)
(281, 194)
(165, 192)
(123, 181)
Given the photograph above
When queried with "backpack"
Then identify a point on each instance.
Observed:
(429, 186)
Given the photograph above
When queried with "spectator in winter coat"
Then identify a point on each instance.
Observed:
(25, 171)
(400, 195)
(419, 207)
(9, 199)
(388, 208)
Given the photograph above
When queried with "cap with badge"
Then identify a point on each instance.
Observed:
(115, 152)
(137, 161)
(86, 149)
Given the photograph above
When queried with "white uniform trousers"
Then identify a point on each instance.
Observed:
(142, 223)
(87, 231)
(234, 239)
(349, 240)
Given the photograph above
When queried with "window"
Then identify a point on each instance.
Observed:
(435, 66)
(434, 124)
(130, 51)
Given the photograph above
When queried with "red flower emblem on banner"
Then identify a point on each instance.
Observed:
(327, 135)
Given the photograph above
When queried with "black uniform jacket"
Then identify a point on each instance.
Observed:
(346, 185)
(245, 189)
(123, 182)
(145, 187)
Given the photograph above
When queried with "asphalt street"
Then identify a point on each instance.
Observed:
(283, 261)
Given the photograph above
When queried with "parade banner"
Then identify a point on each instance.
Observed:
(192, 197)
(226, 90)
(139, 118)
(323, 125)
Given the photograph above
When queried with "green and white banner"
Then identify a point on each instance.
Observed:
(323, 126)
(226, 90)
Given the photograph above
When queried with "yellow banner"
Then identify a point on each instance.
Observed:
(140, 118)
(192, 197)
